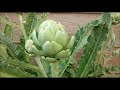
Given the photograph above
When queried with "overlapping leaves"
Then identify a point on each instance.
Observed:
(95, 41)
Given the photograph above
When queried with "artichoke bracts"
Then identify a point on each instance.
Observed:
(115, 18)
(51, 41)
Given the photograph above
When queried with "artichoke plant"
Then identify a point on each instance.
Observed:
(50, 41)
(115, 18)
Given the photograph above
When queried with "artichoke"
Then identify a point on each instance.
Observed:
(115, 18)
(51, 41)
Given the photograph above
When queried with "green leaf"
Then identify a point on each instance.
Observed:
(7, 70)
(62, 63)
(8, 31)
(31, 21)
(47, 67)
(12, 50)
(113, 68)
(3, 51)
(20, 64)
(71, 71)
(23, 56)
(5, 20)
(9, 44)
(112, 42)
(112, 71)
(42, 18)
(19, 13)
(95, 41)
(20, 50)
(82, 35)
(96, 70)
(116, 52)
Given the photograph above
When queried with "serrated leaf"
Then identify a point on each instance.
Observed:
(4, 20)
(20, 50)
(113, 68)
(9, 44)
(7, 70)
(20, 64)
(42, 18)
(81, 37)
(8, 31)
(83, 34)
(23, 56)
(112, 42)
(31, 21)
(3, 51)
(5, 57)
(96, 70)
(95, 42)
(19, 13)
(71, 70)
(62, 63)
(116, 52)
(12, 50)
(47, 67)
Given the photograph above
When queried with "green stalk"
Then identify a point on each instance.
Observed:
(27, 57)
(22, 27)
(37, 59)
(54, 69)
(24, 34)
(65, 68)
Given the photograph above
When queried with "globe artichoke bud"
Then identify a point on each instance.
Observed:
(50, 41)
(115, 18)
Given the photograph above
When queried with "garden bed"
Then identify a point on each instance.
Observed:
(71, 22)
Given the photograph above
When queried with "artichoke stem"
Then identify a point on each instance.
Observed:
(54, 69)
(27, 58)
(22, 27)
(37, 59)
